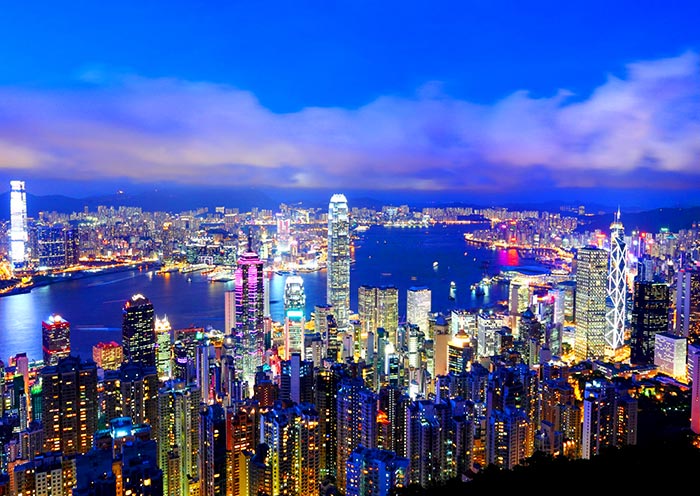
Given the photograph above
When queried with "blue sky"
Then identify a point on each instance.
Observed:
(485, 99)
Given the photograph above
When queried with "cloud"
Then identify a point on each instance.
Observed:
(641, 129)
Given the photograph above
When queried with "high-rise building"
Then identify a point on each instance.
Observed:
(131, 391)
(378, 307)
(650, 310)
(591, 277)
(178, 438)
(616, 302)
(248, 326)
(51, 246)
(108, 355)
(375, 472)
(670, 355)
(688, 304)
(139, 331)
(418, 307)
(18, 225)
(55, 334)
(338, 260)
(294, 320)
(694, 379)
(229, 311)
(69, 404)
(164, 348)
(352, 425)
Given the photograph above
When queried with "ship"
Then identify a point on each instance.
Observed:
(453, 290)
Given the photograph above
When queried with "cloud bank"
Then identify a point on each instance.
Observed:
(641, 129)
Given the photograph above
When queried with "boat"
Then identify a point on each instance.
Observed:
(435, 264)
(453, 290)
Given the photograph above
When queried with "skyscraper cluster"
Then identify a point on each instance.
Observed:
(348, 403)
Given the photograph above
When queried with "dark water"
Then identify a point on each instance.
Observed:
(383, 256)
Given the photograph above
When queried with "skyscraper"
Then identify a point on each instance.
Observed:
(164, 342)
(688, 304)
(616, 302)
(178, 437)
(69, 402)
(55, 334)
(18, 224)
(591, 275)
(338, 262)
(248, 327)
(139, 331)
(294, 304)
(649, 316)
(418, 306)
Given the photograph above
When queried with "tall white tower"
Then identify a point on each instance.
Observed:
(338, 264)
(418, 307)
(616, 306)
(18, 224)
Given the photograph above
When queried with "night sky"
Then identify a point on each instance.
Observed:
(596, 101)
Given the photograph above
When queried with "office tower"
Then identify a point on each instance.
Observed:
(18, 225)
(338, 260)
(249, 333)
(688, 304)
(55, 334)
(375, 472)
(69, 403)
(694, 379)
(418, 307)
(294, 321)
(178, 437)
(164, 348)
(212, 449)
(568, 295)
(591, 276)
(351, 422)
(326, 388)
(325, 325)
(645, 269)
(139, 331)
(507, 438)
(131, 391)
(208, 371)
(229, 311)
(108, 355)
(51, 246)
(488, 326)
(378, 307)
(670, 355)
(616, 311)
(650, 310)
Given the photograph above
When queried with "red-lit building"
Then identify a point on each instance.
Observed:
(55, 332)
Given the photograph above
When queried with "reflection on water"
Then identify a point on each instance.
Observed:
(93, 306)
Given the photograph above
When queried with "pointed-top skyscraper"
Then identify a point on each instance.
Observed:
(338, 268)
(616, 308)
(139, 331)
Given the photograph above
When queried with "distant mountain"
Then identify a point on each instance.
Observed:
(648, 221)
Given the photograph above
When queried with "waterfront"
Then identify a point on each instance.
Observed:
(402, 257)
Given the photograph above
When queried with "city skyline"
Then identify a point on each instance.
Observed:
(463, 102)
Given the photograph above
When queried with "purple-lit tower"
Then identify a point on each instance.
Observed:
(248, 328)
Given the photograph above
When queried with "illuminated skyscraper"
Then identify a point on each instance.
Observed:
(688, 304)
(18, 224)
(294, 305)
(338, 262)
(164, 349)
(229, 311)
(418, 306)
(591, 275)
(249, 332)
(139, 331)
(55, 332)
(69, 402)
(378, 306)
(649, 316)
(616, 303)
(178, 438)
